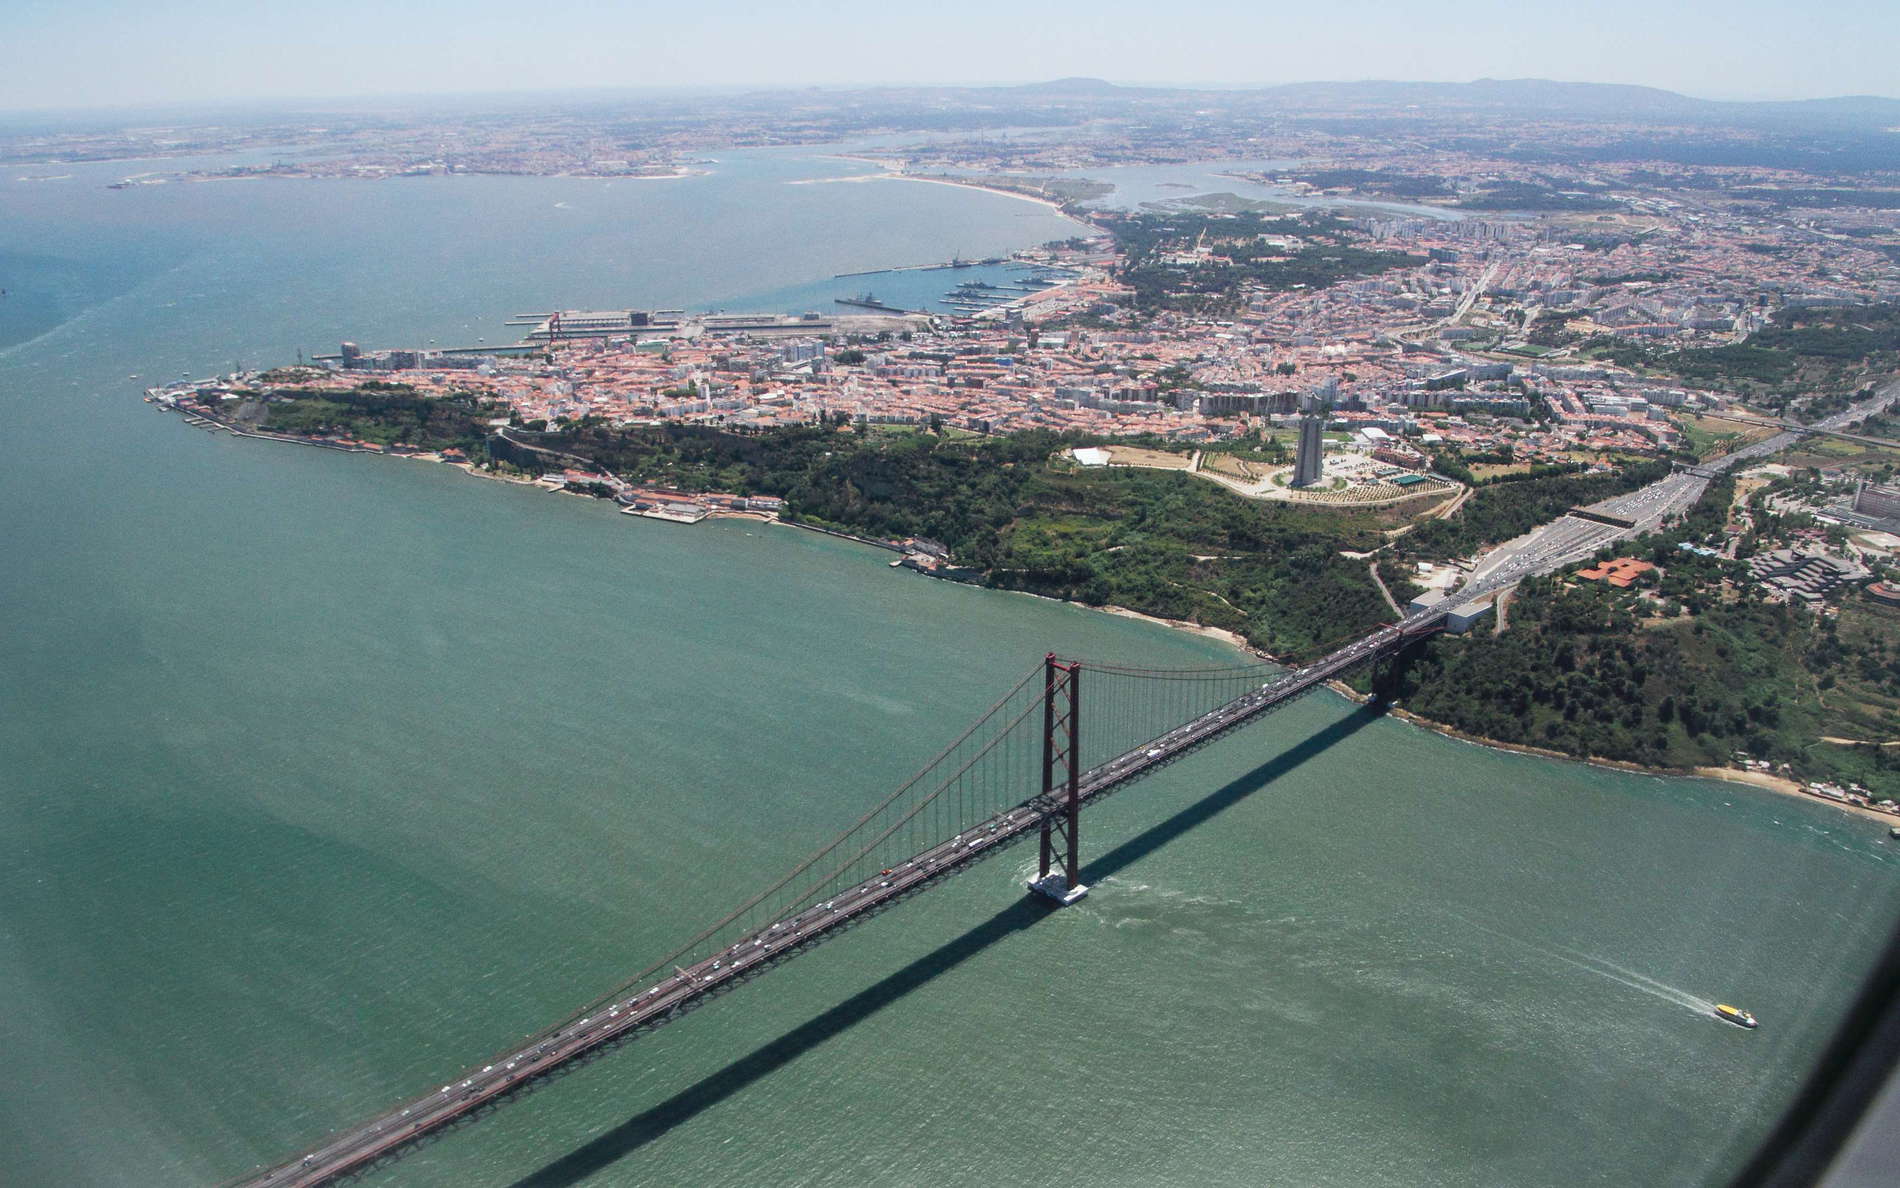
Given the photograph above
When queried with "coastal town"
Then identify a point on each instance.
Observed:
(1501, 339)
(1424, 351)
(1456, 520)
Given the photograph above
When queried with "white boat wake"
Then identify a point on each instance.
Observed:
(1620, 974)
(1637, 981)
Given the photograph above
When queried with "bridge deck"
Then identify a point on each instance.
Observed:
(575, 1039)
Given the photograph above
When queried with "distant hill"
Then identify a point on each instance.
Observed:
(1872, 108)
(1073, 86)
(1522, 94)
(1529, 95)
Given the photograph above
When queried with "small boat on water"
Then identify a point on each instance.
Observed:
(1729, 1014)
(1893, 831)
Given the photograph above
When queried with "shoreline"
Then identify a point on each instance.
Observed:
(683, 173)
(1764, 781)
(1232, 638)
(196, 178)
(1761, 780)
(1050, 203)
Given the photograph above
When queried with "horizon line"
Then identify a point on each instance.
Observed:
(368, 98)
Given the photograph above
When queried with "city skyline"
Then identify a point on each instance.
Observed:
(110, 53)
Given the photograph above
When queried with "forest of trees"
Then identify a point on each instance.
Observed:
(1783, 197)
(1820, 348)
(1328, 255)
(1577, 673)
(1163, 543)
(1499, 511)
(1582, 672)
(1707, 669)
(1385, 182)
(381, 412)
(1517, 195)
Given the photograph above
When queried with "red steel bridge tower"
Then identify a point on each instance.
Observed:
(1061, 780)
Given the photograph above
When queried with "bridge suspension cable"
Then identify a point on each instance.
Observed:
(993, 766)
(1067, 732)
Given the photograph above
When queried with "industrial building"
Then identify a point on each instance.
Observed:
(1807, 578)
(1872, 499)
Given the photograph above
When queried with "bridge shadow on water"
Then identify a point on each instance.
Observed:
(654, 1122)
(1225, 797)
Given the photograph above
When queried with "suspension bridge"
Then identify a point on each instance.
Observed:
(1067, 735)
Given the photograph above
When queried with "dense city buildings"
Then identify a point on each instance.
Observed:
(1563, 275)
(1442, 354)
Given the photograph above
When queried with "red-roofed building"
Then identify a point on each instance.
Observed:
(1621, 572)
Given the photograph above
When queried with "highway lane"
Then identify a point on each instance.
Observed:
(1570, 539)
(1878, 402)
(1476, 291)
(1882, 398)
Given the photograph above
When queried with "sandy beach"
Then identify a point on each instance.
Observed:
(1051, 203)
(1754, 779)
(676, 175)
(1233, 638)
(935, 181)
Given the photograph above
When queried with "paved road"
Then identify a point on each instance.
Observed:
(1805, 430)
(1878, 402)
(1476, 291)
(1570, 539)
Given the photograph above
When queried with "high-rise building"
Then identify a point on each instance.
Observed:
(1306, 463)
(1880, 502)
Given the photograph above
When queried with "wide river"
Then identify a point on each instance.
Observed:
(323, 775)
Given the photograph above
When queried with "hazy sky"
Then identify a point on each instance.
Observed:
(89, 53)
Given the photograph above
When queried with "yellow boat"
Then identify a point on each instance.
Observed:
(1729, 1014)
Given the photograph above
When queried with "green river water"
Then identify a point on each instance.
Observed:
(323, 775)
